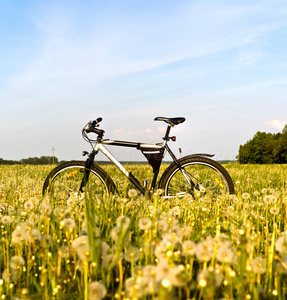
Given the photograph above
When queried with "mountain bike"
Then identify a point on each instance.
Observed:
(195, 175)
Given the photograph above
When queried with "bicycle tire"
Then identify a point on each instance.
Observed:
(210, 178)
(65, 180)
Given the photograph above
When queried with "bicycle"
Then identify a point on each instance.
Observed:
(196, 175)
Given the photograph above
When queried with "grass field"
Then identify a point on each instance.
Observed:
(128, 247)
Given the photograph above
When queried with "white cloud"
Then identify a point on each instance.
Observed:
(277, 124)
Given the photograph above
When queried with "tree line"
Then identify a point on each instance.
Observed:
(43, 160)
(265, 148)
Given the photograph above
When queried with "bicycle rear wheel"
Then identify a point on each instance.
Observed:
(209, 177)
(64, 182)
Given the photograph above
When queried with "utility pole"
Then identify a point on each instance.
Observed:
(53, 153)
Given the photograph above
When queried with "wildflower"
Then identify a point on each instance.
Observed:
(269, 199)
(71, 202)
(163, 270)
(6, 220)
(258, 265)
(264, 191)
(84, 252)
(45, 209)
(224, 255)
(9, 275)
(145, 223)
(281, 243)
(204, 251)
(123, 222)
(230, 210)
(152, 210)
(256, 193)
(176, 230)
(178, 275)
(245, 196)
(115, 232)
(162, 225)
(274, 210)
(175, 211)
(132, 254)
(145, 286)
(35, 235)
(46, 241)
(186, 230)
(132, 288)
(223, 241)
(108, 260)
(210, 277)
(97, 290)
(235, 199)
(132, 193)
(69, 224)
(28, 205)
(104, 247)
(11, 210)
(16, 262)
(81, 246)
(33, 219)
(188, 248)
(2, 208)
(58, 211)
(160, 251)
(19, 235)
(79, 242)
(64, 252)
(149, 270)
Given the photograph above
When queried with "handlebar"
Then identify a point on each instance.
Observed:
(91, 127)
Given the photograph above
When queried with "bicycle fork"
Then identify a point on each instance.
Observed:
(185, 174)
(87, 171)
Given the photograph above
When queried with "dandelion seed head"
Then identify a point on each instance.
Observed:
(274, 210)
(132, 193)
(245, 196)
(145, 223)
(123, 222)
(97, 290)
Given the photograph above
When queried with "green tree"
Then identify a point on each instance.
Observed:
(265, 148)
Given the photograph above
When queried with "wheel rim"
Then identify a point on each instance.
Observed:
(208, 180)
(66, 183)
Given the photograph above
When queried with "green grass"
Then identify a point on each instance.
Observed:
(125, 246)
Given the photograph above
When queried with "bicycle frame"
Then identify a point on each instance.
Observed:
(153, 152)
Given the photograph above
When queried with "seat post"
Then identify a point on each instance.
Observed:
(167, 132)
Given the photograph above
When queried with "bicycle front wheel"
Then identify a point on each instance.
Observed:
(64, 182)
(197, 176)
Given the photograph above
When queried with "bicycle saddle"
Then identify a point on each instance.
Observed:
(171, 121)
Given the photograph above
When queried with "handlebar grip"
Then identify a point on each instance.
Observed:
(96, 122)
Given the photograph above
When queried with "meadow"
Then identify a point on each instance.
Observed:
(125, 246)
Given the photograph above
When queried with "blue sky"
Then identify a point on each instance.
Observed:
(220, 64)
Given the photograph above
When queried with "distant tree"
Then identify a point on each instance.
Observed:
(43, 160)
(265, 148)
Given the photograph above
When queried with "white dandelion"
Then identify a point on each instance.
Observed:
(145, 223)
(97, 290)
